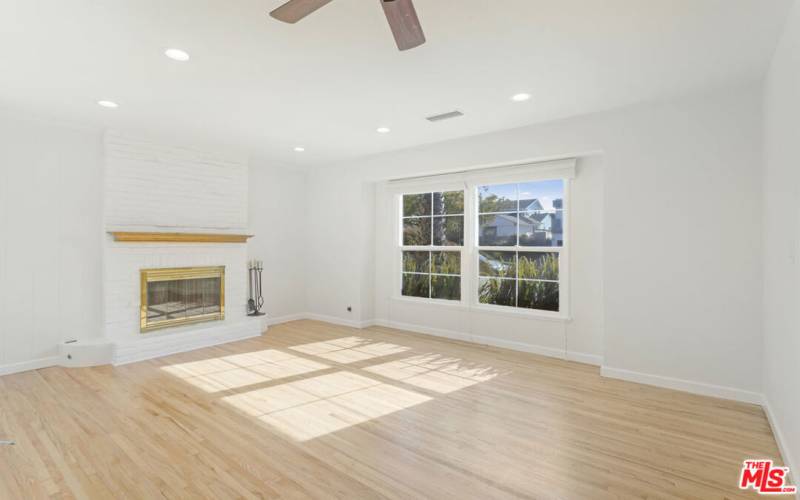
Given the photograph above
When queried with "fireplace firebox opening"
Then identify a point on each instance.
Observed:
(181, 296)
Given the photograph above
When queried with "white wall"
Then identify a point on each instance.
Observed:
(278, 214)
(782, 242)
(681, 258)
(51, 204)
(339, 248)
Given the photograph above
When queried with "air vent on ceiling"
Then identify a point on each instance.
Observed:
(444, 116)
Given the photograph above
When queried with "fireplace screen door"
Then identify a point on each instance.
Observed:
(180, 296)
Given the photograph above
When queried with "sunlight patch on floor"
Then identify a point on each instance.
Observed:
(349, 349)
(258, 357)
(313, 404)
(269, 399)
(310, 408)
(241, 370)
(434, 372)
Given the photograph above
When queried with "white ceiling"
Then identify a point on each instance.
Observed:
(327, 82)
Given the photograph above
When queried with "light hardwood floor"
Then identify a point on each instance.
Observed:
(316, 410)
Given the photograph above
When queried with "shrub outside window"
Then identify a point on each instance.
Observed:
(432, 243)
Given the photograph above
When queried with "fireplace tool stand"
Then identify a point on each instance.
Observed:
(256, 300)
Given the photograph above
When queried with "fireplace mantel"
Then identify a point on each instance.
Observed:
(151, 237)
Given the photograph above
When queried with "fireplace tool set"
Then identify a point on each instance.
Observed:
(256, 300)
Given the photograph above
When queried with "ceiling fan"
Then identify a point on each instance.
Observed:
(400, 13)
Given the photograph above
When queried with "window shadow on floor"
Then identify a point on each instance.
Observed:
(311, 389)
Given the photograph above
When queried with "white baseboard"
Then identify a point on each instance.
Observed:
(425, 330)
(483, 340)
(578, 357)
(339, 321)
(277, 320)
(783, 446)
(585, 358)
(154, 347)
(25, 366)
(519, 346)
(334, 320)
(700, 388)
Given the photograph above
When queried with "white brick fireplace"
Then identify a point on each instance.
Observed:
(156, 188)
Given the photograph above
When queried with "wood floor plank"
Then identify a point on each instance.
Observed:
(313, 410)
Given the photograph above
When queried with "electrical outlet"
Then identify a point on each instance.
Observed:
(349, 309)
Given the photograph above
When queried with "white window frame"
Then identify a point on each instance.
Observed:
(562, 251)
(469, 181)
(400, 248)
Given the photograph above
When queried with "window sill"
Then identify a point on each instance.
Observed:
(485, 309)
(522, 313)
(453, 304)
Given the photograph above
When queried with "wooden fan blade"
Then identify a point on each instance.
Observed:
(295, 10)
(404, 22)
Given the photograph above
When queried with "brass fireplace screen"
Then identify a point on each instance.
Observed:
(181, 296)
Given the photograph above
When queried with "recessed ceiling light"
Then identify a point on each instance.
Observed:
(299, 149)
(383, 130)
(176, 54)
(108, 104)
(520, 97)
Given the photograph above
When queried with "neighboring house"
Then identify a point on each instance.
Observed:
(537, 227)
(534, 205)
(541, 229)
(530, 205)
(499, 229)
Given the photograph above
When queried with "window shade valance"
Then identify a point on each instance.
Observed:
(555, 169)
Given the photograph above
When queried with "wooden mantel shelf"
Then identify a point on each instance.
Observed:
(135, 237)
